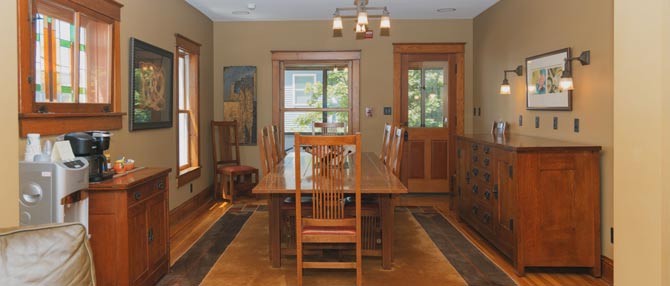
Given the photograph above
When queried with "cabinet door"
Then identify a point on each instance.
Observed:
(156, 228)
(137, 242)
(504, 197)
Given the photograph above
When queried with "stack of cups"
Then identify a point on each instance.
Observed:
(32, 146)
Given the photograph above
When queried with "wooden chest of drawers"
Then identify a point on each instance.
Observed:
(537, 200)
(128, 222)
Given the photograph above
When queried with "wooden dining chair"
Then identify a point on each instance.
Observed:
(386, 142)
(275, 141)
(327, 222)
(395, 151)
(327, 128)
(265, 147)
(230, 175)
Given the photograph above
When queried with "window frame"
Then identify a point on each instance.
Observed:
(282, 59)
(67, 117)
(184, 45)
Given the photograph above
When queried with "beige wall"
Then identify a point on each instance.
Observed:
(9, 171)
(157, 147)
(250, 43)
(641, 158)
(512, 30)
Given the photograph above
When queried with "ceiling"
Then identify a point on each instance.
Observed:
(273, 10)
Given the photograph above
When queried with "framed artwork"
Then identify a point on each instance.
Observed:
(239, 101)
(499, 128)
(543, 73)
(150, 86)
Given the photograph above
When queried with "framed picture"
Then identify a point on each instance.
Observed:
(239, 101)
(543, 74)
(150, 86)
(499, 128)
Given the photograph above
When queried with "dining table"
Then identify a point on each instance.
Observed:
(376, 179)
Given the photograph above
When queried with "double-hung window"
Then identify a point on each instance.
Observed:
(187, 62)
(69, 65)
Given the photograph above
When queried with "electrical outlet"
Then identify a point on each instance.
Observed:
(555, 123)
(474, 111)
(611, 235)
(537, 122)
(479, 111)
(387, 110)
(520, 120)
(576, 125)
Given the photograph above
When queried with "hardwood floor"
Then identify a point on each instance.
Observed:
(186, 231)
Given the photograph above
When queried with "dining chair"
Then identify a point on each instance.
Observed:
(327, 128)
(264, 145)
(230, 176)
(276, 143)
(386, 142)
(395, 151)
(327, 222)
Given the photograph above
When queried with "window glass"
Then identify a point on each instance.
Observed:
(426, 88)
(183, 140)
(95, 60)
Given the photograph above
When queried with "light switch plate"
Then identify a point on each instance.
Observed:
(520, 120)
(537, 122)
(387, 110)
(555, 123)
(576, 125)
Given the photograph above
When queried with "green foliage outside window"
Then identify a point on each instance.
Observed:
(337, 97)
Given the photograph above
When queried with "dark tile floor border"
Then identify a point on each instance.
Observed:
(194, 265)
(472, 264)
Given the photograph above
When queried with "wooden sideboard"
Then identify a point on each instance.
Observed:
(128, 222)
(537, 200)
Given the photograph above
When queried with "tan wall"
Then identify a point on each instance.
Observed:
(512, 30)
(641, 159)
(157, 147)
(250, 43)
(9, 172)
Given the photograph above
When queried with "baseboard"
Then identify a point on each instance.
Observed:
(607, 270)
(191, 204)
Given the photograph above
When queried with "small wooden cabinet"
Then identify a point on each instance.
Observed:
(128, 223)
(537, 200)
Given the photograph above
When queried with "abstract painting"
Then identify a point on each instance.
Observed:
(542, 80)
(150, 86)
(239, 101)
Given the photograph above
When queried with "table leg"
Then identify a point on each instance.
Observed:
(275, 229)
(388, 212)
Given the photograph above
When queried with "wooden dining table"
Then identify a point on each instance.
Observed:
(376, 179)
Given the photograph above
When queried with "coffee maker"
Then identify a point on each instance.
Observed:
(91, 145)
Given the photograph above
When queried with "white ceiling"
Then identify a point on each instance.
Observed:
(270, 10)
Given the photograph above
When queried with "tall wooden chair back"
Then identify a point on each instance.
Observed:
(265, 146)
(328, 223)
(327, 128)
(229, 174)
(276, 142)
(386, 142)
(395, 151)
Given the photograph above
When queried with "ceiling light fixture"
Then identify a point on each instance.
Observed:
(445, 10)
(241, 12)
(362, 17)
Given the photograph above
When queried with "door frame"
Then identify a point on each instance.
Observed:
(457, 49)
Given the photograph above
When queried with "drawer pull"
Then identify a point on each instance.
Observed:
(495, 191)
(487, 177)
(475, 210)
(487, 195)
(137, 196)
(486, 161)
(150, 235)
(475, 189)
(475, 172)
(467, 177)
(486, 218)
(475, 147)
(487, 149)
(475, 158)
(160, 185)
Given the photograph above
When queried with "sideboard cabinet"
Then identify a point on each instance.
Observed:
(128, 223)
(537, 200)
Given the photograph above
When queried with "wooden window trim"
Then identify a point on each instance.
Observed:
(66, 117)
(193, 169)
(280, 59)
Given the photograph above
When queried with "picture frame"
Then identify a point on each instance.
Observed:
(151, 85)
(543, 73)
(499, 128)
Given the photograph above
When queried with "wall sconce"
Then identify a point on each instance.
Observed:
(566, 79)
(504, 87)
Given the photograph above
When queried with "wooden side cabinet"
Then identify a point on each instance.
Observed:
(536, 200)
(128, 223)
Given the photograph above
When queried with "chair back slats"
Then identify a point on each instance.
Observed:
(263, 145)
(327, 128)
(386, 142)
(396, 151)
(275, 138)
(225, 144)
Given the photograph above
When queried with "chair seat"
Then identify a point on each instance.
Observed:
(329, 230)
(236, 169)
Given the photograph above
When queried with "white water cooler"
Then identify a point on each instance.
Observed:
(53, 192)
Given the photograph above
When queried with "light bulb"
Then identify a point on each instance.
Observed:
(360, 28)
(362, 18)
(566, 83)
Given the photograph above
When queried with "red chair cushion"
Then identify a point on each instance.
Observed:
(236, 169)
(329, 230)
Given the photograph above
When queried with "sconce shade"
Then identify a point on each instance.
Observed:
(337, 23)
(505, 89)
(362, 18)
(566, 83)
(385, 22)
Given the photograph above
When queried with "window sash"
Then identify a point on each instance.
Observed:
(187, 73)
